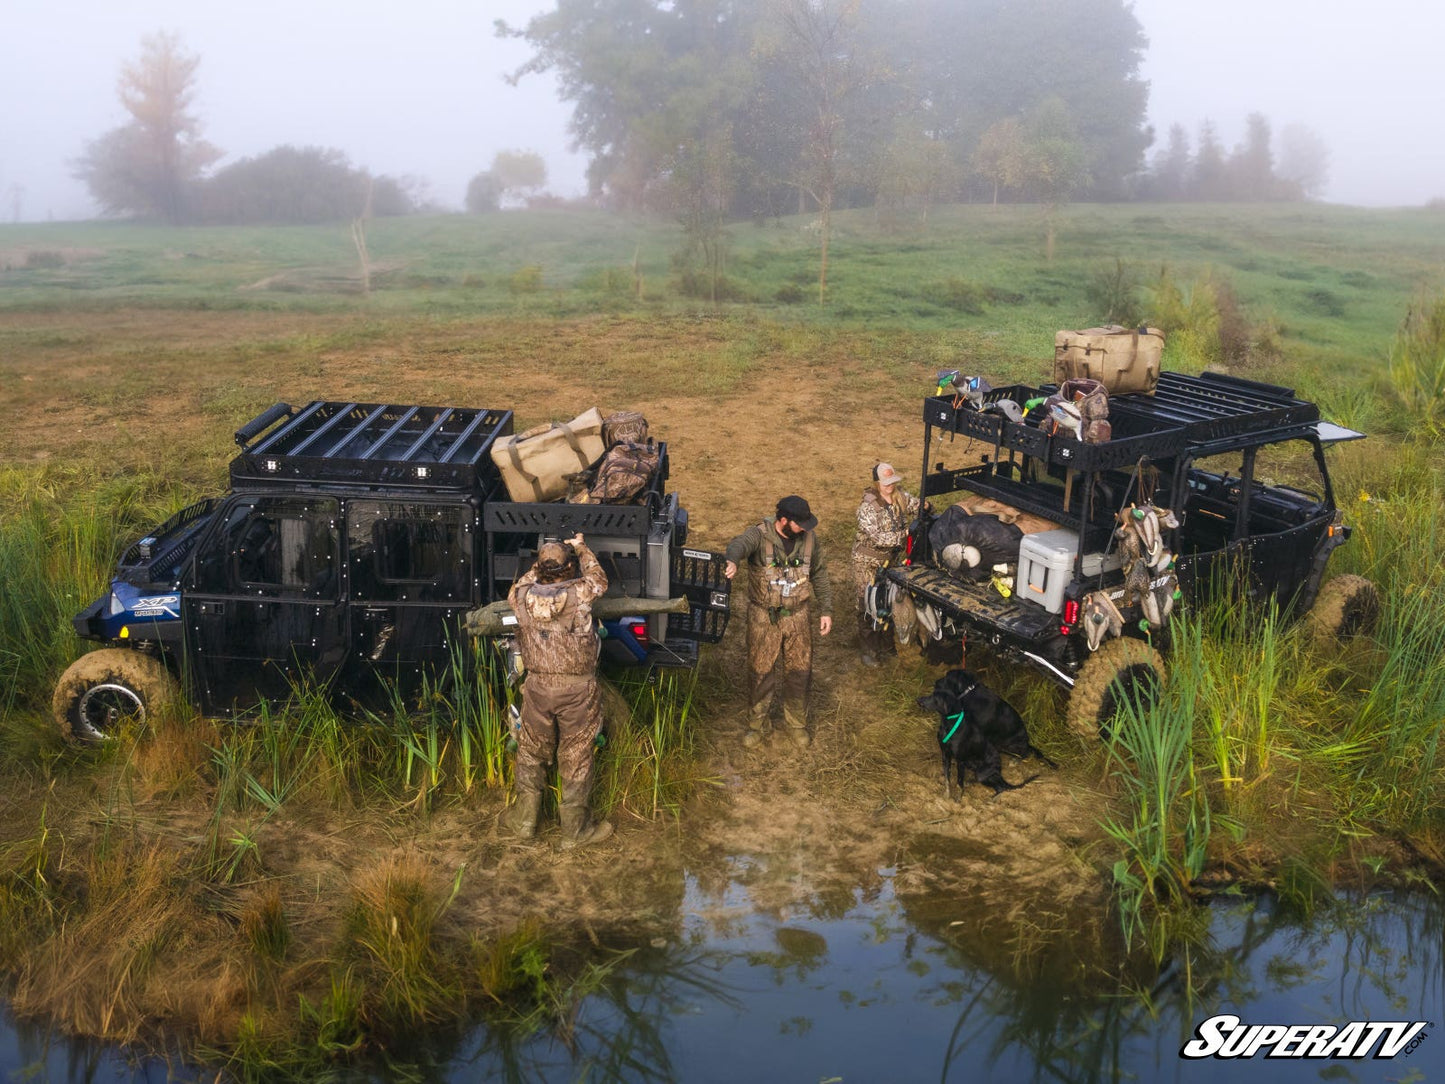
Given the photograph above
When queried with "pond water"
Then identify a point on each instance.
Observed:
(881, 991)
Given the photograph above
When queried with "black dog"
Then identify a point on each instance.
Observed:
(975, 726)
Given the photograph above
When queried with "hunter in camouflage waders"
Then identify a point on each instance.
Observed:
(883, 518)
(787, 585)
(561, 701)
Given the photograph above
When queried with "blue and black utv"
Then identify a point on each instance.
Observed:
(353, 541)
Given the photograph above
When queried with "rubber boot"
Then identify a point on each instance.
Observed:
(578, 828)
(797, 720)
(757, 721)
(520, 818)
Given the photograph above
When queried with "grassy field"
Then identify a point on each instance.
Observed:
(1335, 279)
(357, 872)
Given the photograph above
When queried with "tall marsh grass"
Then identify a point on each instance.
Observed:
(1299, 750)
(1417, 363)
(648, 766)
(59, 539)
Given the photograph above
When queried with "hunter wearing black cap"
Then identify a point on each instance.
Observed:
(787, 584)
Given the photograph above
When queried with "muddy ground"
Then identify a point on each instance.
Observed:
(750, 413)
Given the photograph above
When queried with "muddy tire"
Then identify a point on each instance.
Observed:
(1122, 669)
(1346, 607)
(102, 689)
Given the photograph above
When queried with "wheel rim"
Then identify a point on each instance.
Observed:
(103, 707)
(1137, 683)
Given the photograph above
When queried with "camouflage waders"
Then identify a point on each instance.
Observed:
(561, 713)
(785, 633)
(787, 585)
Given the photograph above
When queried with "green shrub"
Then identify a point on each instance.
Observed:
(1113, 294)
(692, 283)
(958, 295)
(613, 282)
(526, 280)
(1417, 363)
(1189, 318)
(43, 258)
(790, 294)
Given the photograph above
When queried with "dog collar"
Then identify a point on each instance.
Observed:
(957, 722)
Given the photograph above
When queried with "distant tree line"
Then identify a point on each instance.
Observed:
(761, 107)
(154, 166)
(1251, 172)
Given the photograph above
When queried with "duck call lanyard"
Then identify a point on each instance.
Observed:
(956, 720)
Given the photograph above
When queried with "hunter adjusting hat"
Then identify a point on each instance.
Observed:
(887, 476)
(797, 510)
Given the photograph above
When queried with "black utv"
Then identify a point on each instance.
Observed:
(353, 541)
(1209, 479)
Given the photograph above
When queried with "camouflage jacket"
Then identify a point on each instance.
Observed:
(882, 530)
(555, 630)
(755, 551)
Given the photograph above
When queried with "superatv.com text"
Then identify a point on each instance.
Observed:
(1227, 1036)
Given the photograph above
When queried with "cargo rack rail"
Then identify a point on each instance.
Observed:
(372, 443)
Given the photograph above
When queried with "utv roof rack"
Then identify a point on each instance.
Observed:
(1184, 412)
(428, 447)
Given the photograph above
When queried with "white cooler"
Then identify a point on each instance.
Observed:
(1046, 564)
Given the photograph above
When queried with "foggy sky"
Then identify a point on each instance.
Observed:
(416, 88)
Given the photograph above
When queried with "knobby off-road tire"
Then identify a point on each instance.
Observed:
(103, 688)
(1346, 607)
(1122, 668)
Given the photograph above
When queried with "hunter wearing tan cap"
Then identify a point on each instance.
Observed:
(883, 519)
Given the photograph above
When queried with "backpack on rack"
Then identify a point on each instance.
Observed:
(624, 427)
(624, 472)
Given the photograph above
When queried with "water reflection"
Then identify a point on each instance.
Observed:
(878, 989)
(29, 1052)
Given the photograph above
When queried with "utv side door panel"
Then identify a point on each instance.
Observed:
(262, 606)
(1258, 512)
(1289, 512)
(411, 576)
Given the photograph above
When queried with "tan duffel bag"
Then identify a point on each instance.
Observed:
(535, 464)
(1124, 360)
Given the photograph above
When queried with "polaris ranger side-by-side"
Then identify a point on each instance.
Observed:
(1238, 465)
(354, 539)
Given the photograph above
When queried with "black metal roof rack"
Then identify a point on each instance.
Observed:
(1184, 411)
(427, 447)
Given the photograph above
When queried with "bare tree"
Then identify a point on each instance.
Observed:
(146, 166)
(822, 49)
